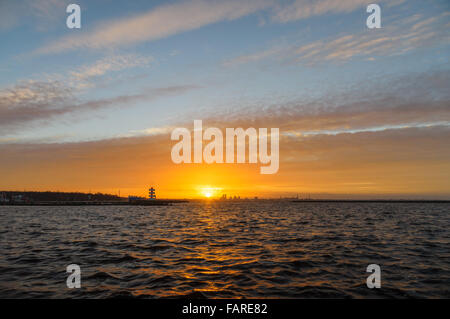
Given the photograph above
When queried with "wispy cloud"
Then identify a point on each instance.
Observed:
(412, 100)
(34, 101)
(163, 21)
(254, 57)
(84, 74)
(301, 9)
(170, 19)
(397, 38)
(152, 131)
(54, 95)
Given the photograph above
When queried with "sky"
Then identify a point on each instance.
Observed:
(362, 113)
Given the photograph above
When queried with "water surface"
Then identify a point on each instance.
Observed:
(262, 249)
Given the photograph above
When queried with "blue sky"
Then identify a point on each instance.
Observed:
(201, 58)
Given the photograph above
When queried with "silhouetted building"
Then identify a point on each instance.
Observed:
(131, 198)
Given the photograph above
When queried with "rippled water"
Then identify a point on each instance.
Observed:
(264, 249)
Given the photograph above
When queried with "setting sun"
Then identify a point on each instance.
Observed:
(209, 192)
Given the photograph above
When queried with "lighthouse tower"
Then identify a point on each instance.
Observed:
(151, 193)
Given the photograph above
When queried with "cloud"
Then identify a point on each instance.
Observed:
(108, 64)
(163, 21)
(170, 19)
(254, 57)
(36, 101)
(397, 38)
(32, 100)
(147, 95)
(302, 9)
(394, 40)
(412, 100)
(59, 94)
(152, 131)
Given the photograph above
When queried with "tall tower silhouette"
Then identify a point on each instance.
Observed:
(151, 193)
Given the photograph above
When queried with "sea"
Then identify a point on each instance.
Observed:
(227, 249)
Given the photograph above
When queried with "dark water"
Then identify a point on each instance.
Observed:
(227, 250)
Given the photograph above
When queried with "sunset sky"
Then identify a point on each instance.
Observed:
(362, 113)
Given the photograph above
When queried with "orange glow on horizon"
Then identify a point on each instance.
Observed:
(210, 192)
(310, 168)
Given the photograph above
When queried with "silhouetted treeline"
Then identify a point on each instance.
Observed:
(14, 196)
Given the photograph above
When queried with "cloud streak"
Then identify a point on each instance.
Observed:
(161, 22)
(43, 100)
(395, 40)
(413, 100)
(109, 64)
(302, 9)
(398, 38)
(170, 19)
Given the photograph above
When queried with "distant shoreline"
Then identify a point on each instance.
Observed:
(175, 201)
(156, 202)
(49, 198)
